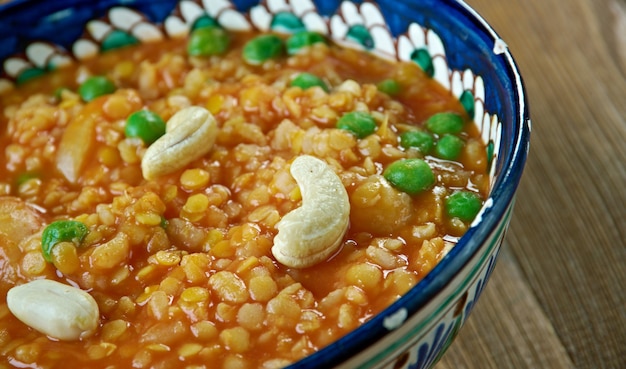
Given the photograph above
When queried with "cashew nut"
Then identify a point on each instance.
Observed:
(55, 309)
(315, 230)
(190, 134)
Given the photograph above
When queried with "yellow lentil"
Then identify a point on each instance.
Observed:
(235, 339)
(194, 179)
(196, 203)
(65, 258)
(195, 294)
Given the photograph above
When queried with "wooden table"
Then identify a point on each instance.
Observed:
(557, 298)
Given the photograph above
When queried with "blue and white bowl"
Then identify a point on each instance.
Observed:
(446, 38)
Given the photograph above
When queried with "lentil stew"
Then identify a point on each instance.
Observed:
(181, 265)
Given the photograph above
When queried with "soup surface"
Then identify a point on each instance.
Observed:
(179, 257)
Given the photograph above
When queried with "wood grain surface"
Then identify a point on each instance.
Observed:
(557, 298)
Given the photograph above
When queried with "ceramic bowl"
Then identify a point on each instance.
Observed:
(446, 38)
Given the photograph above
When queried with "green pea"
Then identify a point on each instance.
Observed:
(412, 176)
(449, 147)
(95, 87)
(262, 48)
(307, 80)
(443, 123)
(361, 124)
(303, 39)
(207, 41)
(423, 141)
(61, 231)
(463, 205)
(145, 124)
(389, 86)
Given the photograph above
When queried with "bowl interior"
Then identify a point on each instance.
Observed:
(445, 37)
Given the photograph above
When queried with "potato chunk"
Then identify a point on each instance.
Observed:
(18, 220)
(378, 208)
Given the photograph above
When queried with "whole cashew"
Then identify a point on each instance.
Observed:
(55, 309)
(314, 231)
(190, 134)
